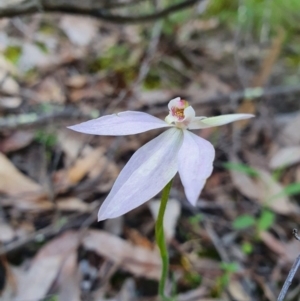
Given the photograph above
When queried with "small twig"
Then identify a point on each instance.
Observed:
(292, 272)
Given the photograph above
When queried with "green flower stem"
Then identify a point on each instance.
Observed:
(161, 242)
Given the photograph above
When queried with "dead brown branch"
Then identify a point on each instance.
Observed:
(97, 9)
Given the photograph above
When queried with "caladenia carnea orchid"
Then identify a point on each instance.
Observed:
(156, 163)
(153, 166)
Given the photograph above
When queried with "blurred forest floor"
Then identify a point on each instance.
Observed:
(223, 57)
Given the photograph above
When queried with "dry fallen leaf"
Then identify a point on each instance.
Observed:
(77, 81)
(10, 102)
(68, 280)
(7, 233)
(265, 190)
(13, 182)
(32, 56)
(80, 30)
(92, 163)
(16, 141)
(285, 157)
(72, 143)
(195, 294)
(98, 90)
(292, 250)
(108, 177)
(289, 136)
(237, 291)
(245, 184)
(270, 194)
(21, 191)
(72, 204)
(50, 90)
(8, 84)
(85, 165)
(195, 26)
(45, 266)
(267, 287)
(138, 239)
(273, 243)
(134, 259)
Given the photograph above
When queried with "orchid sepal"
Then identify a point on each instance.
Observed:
(124, 123)
(146, 173)
(208, 122)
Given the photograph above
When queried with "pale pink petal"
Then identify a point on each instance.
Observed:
(124, 123)
(176, 102)
(202, 123)
(146, 174)
(170, 119)
(189, 115)
(195, 160)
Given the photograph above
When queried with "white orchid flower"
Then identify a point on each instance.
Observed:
(153, 165)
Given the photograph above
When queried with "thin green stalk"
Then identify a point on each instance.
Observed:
(161, 242)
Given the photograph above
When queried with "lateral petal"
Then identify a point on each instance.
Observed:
(195, 160)
(148, 171)
(124, 123)
(203, 122)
